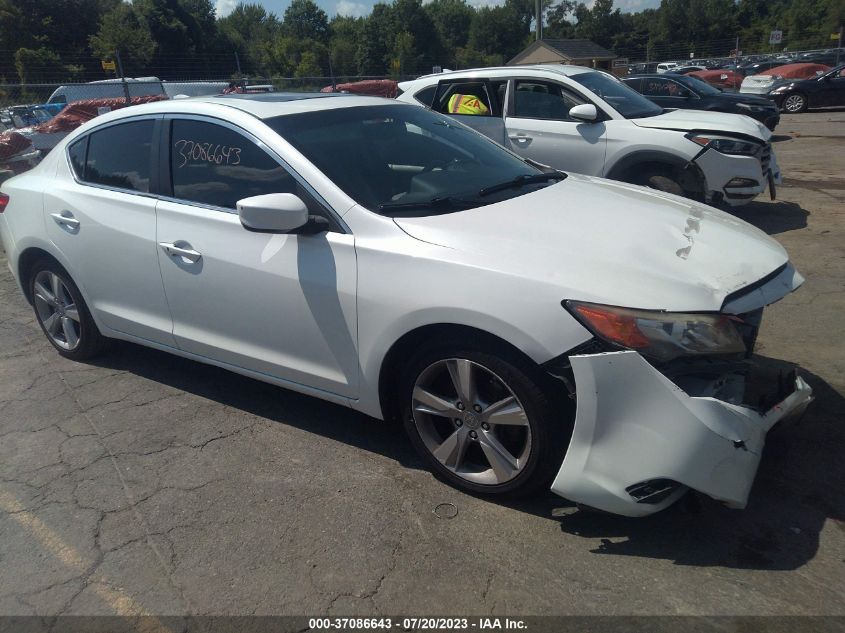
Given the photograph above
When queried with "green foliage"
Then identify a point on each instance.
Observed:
(65, 39)
(37, 65)
(124, 29)
(305, 20)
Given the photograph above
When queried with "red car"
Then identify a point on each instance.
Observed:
(725, 79)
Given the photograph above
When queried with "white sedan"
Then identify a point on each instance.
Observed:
(382, 256)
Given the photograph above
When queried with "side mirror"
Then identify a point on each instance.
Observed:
(584, 112)
(273, 213)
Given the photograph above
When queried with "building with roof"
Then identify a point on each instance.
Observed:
(577, 52)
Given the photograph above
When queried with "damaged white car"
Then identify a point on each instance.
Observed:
(531, 329)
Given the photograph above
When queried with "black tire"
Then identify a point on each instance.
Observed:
(662, 180)
(90, 340)
(799, 99)
(550, 416)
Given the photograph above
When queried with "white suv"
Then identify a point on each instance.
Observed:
(581, 120)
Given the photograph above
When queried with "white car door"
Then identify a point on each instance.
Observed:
(100, 215)
(538, 126)
(281, 305)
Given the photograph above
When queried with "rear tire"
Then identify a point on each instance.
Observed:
(484, 420)
(62, 313)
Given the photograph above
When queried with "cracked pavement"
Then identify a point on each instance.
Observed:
(143, 483)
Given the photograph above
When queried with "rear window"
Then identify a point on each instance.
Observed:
(119, 156)
(76, 154)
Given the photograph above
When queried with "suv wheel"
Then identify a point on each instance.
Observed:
(483, 421)
(662, 180)
(61, 312)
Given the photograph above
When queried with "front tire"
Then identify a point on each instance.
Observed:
(62, 313)
(662, 181)
(484, 420)
(795, 103)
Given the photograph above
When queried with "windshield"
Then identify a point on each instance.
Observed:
(699, 85)
(403, 158)
(627, 101)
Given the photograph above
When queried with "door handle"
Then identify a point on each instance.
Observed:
(65, 218)
(180, 251)
(519, 137)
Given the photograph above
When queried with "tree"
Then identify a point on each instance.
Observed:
(344, 32)
(600, 23)
(308, 66)
(305, 20)
(499, 32)
(250, 31)
(35, 65)
(451, 18)
(124, 30)
(372, 45)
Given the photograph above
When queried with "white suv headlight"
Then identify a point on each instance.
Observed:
(662, 336)
(725, 144)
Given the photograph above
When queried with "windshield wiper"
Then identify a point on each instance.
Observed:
(521, 181)
(444, 202)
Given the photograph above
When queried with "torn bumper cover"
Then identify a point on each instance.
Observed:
(739, 179)
(640, 441)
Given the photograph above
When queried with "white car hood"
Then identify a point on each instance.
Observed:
(689, 120)
(610, 242)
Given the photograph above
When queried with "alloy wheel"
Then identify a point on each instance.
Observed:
(471, 421)
(57, 310)
(794, 103)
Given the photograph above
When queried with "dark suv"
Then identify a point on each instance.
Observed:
(673, 91)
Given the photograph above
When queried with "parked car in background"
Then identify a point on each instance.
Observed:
(683, 70)
(107, 88)
(819, 92)
(690, 93)
(666, 66)
(771, 79)
(756, 68)
(384, 257)
(724, 78)
(588, 121)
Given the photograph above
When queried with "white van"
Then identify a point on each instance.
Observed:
(665, 67)
(106, 89)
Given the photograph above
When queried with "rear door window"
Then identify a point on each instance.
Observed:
(468, 98)
(120, 156)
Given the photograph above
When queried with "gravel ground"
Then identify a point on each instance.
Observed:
(144, 483)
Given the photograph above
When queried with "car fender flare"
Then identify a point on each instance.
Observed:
(624, 164)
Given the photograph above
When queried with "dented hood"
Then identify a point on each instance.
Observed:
(610, 242)
(698, 120)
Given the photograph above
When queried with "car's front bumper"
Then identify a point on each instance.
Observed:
(737, 180)
(640, 441)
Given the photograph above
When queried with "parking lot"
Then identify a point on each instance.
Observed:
(143, 483)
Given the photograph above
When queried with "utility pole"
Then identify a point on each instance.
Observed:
(122, 78)
(839, 47)
(238, 64)
(538, 33)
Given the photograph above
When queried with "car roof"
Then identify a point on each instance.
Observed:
(261, 105)
(565, 70)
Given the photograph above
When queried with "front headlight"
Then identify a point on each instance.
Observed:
(725, 144)
(750, 108)
(661, 336)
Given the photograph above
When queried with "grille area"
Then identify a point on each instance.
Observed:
(765, 156)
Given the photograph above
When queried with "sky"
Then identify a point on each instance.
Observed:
(363, 7)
